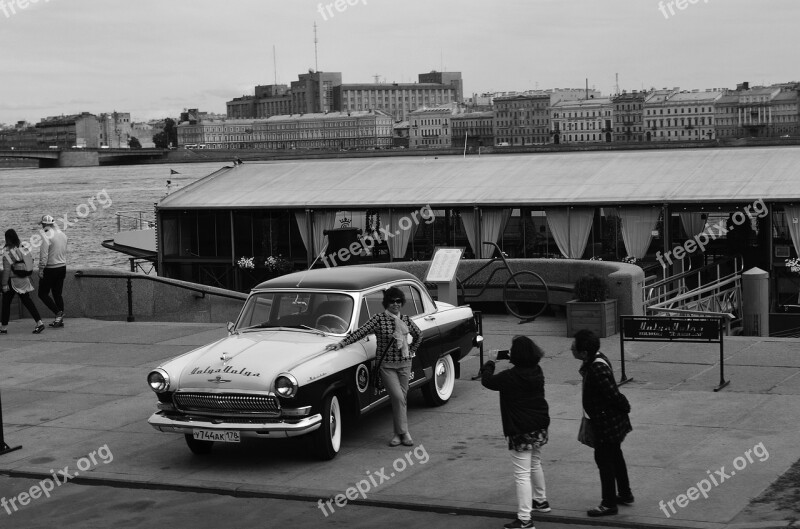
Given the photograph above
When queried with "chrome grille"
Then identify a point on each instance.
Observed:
(227, 404)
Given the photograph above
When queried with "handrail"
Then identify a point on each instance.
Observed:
(129, 276)
(654, 293)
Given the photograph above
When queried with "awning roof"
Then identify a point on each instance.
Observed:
(708, 175)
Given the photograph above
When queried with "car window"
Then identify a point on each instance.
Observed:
(319, 310)
(363, 314)
(374, 303)
(411, 307)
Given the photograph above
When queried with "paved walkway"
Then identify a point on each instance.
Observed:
(68, 392)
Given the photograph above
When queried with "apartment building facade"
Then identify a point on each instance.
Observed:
(473, 129)
(681, 115)
(431, 127)
(629, 117)
(759, 112)
(582, 121)
(522, 119)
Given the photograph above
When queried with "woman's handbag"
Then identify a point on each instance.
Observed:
(23, 267)
(586, 433)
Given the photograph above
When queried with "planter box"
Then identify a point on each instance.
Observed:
(599, 317)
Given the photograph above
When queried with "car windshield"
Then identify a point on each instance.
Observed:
(324, 311)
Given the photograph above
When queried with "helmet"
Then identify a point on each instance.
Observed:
(48, 220)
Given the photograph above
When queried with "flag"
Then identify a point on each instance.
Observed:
(173, 171)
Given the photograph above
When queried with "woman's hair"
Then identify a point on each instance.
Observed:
(586, 340)
(525, 353)
(392, 293)
(12, 239)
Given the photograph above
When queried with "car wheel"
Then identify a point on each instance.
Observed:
(328, 438)
(197, 446)
(440, 388)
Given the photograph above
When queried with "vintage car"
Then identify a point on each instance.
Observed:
(273, 377)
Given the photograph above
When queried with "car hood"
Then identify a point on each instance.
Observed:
(249, 361)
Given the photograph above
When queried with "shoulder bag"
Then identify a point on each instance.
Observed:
(586, 432)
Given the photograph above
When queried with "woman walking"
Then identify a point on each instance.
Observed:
(526, 417)
(607, 410)
(17, 269)
(394, 352)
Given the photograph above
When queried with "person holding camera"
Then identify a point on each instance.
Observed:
(526, 417)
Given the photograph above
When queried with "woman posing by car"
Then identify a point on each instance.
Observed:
(17, 267)
(526, 417)
(394, 352)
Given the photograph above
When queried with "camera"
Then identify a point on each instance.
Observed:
(504, 354)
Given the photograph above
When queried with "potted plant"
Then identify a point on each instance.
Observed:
(591, 309)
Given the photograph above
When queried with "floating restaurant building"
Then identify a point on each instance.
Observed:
(667, 208)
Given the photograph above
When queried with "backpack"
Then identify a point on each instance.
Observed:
(21, 268)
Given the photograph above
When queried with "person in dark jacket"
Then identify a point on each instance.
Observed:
(607, 410)
(392, 331)
(526, 417)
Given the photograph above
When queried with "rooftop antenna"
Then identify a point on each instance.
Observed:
(377, 78)
(316, 64)
(274, 65)
(617, 85)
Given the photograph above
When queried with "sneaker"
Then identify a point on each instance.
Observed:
(540, 506)
(602, 510)
(39, 328)
(625, 500)
(517, 523)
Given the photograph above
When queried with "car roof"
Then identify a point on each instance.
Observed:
(342, 278)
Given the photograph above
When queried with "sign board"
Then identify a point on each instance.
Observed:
(671, 329)
(444, 265)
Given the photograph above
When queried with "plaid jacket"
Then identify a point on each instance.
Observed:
(607, 408)
(382, 326)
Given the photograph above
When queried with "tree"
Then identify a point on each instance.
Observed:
(161, 140)
(172, 132)
(134, 143)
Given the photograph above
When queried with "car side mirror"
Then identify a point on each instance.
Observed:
(230, 328)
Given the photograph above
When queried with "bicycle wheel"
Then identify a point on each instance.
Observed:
(525, 295)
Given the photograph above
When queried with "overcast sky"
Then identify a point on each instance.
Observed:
(153, 58)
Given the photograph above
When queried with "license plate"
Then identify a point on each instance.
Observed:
(223, 436)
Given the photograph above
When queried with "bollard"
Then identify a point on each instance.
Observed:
(755, 302)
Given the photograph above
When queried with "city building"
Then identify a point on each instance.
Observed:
(269, 100)
(760, 112)
(115, 129)
(327, 130)
(144, 132)
(522, 119)
(396, 99)
(473, 129)
(629, 117)
(582, 121)
(681, 115)
(22, 135)
(313, 92)
(77, 130)
(216, 134)
(445, 78)
(430, 127)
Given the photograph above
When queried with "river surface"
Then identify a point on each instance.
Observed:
(89, 198)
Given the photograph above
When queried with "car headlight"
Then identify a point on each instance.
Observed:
(286, 385)
(158, 380)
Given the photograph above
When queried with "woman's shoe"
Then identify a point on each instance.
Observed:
(3, 331)
(602, 510)
(39, 328)
(395, 441)
(407, 440)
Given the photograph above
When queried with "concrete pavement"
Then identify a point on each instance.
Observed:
(69, 392)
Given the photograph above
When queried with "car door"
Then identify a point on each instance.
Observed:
(431, 348)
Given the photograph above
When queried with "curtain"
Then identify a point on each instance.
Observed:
(323, 220)
(400, 223)
(638, 224)
(470, 226)
(793, 223)
(493, 223)
(693, 223)
(570, 228)
(491, 226)
(300, 217)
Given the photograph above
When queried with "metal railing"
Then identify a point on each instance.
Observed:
(721, 296)
(129, 277)
(141, 220)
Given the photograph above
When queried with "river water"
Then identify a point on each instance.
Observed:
(27, 194)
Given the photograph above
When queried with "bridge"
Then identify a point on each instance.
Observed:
(84, 157)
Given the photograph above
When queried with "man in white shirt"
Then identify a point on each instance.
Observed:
(52, 268)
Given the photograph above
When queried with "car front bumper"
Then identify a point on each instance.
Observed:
(186, 425)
